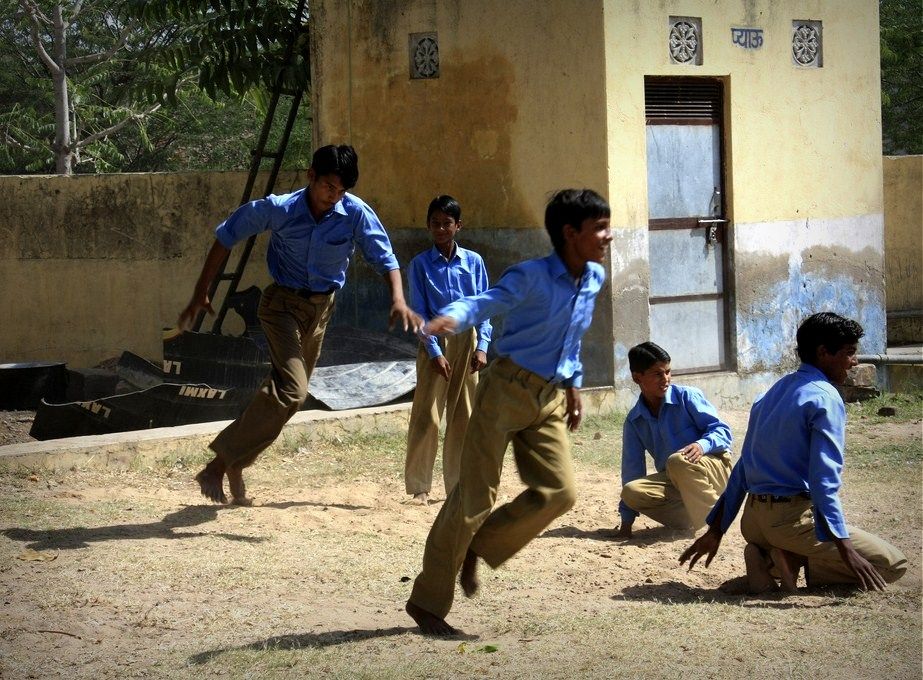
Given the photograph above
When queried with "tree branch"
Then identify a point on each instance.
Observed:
(101, 56)
(32, 11)
(30, 7)
(96, 136)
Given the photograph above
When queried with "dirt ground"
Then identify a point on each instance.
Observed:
(130, 574)
(14, 427)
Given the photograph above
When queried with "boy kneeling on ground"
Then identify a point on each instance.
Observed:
(791, 465)
(687, 440)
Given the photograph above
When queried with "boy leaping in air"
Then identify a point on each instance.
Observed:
(529, 396)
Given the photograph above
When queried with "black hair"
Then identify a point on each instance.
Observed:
(341, 161)
(572, 206)
(642, 357)
(446, 204)
(827, 329)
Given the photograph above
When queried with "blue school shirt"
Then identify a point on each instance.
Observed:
(794, 444)
(685, 417)
(547, 313)
(436, 281)
(307, 253)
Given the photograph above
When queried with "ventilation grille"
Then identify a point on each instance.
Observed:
(682, 99)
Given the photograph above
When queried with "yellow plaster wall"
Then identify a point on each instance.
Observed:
(903, 199)
(519, 108)
(804, 143)
(93, 265)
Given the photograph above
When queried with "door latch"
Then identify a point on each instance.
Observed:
(711, 230)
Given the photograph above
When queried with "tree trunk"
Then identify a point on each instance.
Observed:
(62, 138)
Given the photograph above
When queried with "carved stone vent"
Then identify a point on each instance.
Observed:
(807, 44)
(424, 55)
(685, 40)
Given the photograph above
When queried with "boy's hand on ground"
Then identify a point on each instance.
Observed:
(574, 408)
(442, 367)
(440, 325)
(866, 573)
(478, 361)
(405, 316)
(706, 545)
(693, 452)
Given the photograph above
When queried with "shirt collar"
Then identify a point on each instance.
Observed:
(337, 208)
(812, 372)
(557, 267)
(435, 255)
(640, 409)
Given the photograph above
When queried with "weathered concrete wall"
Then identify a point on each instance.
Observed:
(518, 111)
(903, 200)
(803, 168)
(535, 96)
(92, 265)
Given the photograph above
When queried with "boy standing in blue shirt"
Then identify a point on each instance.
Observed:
(447, 368)
(530, 396)
(312, 235)
(687, 440)
(790, 473)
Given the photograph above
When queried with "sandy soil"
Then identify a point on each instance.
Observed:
(107, 574)
(14, 427)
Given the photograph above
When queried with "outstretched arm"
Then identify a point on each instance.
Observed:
(200, 302)
(400, 312)
(708, 543)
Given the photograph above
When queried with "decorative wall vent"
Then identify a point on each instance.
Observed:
(685, 40)
(807, 43)
(424, 55)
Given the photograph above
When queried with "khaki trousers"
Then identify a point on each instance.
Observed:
(294, 328)
(790, 526)
(511, 405)
(433, 397)
(683, 494)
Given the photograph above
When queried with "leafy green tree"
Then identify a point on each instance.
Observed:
(142, 85)
(73, 60)
(901, 24)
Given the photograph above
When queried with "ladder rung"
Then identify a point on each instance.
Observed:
(226, 277)
(266, 154)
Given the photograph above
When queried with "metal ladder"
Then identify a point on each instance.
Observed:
(258, 155)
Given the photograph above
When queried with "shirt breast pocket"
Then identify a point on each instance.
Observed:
(688, 435)
(335, 253)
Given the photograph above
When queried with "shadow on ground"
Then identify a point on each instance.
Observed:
(732, 592)
(640, 537)
(187, 516)
(316, 640)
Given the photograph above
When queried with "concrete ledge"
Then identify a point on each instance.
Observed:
(126, 449)
(123, 450)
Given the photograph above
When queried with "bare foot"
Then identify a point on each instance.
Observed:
(469, 574)
(421, 498)
(788, 565)
(237, 487)
(430, 624)
(211, 481)
(759, 580)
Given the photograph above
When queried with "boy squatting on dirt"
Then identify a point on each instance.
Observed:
(530, 395)
(447, 368)
(790, 473)
(686, 438)
(313, 233)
